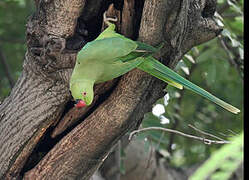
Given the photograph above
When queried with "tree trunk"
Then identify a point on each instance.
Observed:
(40, 101)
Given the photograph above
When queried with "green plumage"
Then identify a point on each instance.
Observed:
(111, 55)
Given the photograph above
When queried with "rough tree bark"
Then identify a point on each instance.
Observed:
(41, 98)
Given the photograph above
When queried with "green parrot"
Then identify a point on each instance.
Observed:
(111, 55)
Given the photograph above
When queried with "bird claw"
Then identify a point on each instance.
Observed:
(108, 19)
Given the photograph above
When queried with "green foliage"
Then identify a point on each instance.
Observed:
(223, 162)
(217, 69)
(214, 73)
(14, 14)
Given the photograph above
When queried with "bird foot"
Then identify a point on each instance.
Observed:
(108, 19)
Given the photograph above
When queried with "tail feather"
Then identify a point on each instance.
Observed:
(169, 75)
(159, 75)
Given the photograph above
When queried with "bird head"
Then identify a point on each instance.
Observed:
(82, 92)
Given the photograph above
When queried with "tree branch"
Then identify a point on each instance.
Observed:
(87, 145)
(205, 133)
(93, 138)
(204, 140)
(38, 99)
(41, 92)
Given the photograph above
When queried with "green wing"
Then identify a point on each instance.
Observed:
(155, 68)
(106, 50)
(117, 69)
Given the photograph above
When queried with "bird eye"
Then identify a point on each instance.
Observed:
(84, 93)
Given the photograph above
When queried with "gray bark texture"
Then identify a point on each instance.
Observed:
(39, 103)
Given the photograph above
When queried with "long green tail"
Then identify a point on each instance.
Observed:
(155, 68)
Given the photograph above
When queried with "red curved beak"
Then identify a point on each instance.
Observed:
(80, 104)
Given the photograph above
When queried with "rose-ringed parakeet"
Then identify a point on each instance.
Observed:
(111, 55)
